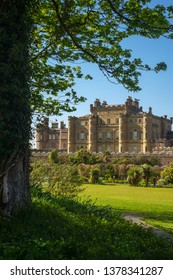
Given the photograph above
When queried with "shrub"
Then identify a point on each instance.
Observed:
(84, 156)
(95, 175)
(84, 170)
(161, 182)
(53, 156)
(167, 173)
(60, 180)
(108, 171)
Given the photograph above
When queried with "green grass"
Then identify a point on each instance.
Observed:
(133, 199)
(61, 228)
(155, 203)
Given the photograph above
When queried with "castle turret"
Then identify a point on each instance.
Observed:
(92, 143)
(71, 134)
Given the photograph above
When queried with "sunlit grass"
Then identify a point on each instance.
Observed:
(155, 203)
(133, 199)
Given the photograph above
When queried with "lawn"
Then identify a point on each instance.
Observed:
(155, 203)
(59, 228)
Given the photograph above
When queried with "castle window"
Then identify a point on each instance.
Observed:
(50, 136)
(108, 121)
(116, 134)
(135, 135)
(117, 121)
(100, 136)
(41, 137)
(53, 136)
(108, 135)
(130, 135)
(82, 135)
(99, 122)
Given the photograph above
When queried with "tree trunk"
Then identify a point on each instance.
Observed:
(14, 184)
(15, 113)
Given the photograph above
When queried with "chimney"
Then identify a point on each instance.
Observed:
(136, 103)
(97, 103)
(150, 110)
(129, 101)
(55, 125)
(104, 104)
(46, 121)
(62, 125)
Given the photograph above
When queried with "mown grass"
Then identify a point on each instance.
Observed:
(134, 199)
(59, 228)
(155, 203)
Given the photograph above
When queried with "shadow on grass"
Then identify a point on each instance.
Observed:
(61, 228)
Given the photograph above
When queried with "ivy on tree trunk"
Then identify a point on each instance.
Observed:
(15, 113)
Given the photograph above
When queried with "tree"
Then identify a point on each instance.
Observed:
(134, 175)
(15, 112)
(95, 175)
(147, 173)
(37, 70)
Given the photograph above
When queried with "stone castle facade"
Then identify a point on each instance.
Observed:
(115, 128)
(54, 137)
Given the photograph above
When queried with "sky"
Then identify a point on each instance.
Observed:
(157, 89)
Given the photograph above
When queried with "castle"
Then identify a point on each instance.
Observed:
(115, 128)
(48, 138)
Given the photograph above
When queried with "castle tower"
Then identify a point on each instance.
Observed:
(120, 142)
(144, 133)
(42, 134)
(92, 139)
(71, 134)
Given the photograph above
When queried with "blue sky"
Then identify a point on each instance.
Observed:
(157, 89)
